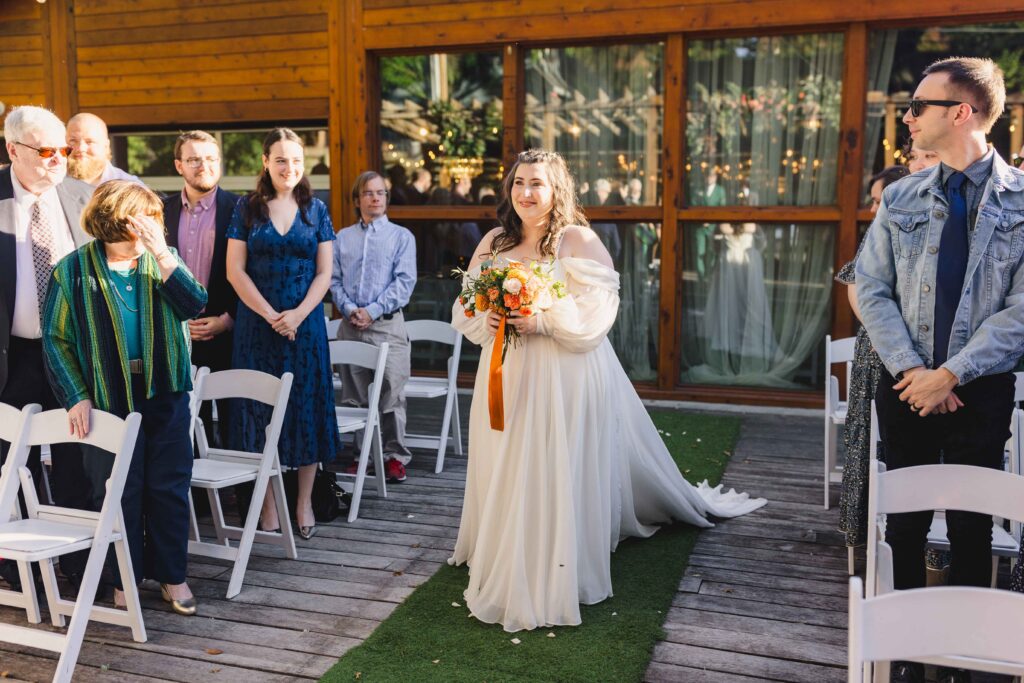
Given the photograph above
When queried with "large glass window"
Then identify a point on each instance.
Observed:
(440, 126)
(601, 108)
(762, 120)
(756, 303)
(898, 56)
(151, 157)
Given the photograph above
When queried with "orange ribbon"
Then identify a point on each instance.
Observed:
(495, 399)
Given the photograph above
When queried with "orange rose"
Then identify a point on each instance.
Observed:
(481, 303)
(511, 302)
(525, 311)
(469, 312)
(492, 293)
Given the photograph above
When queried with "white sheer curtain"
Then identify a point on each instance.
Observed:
(765, 308)
(762, 130)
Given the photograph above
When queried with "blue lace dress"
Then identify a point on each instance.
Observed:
(283, 267)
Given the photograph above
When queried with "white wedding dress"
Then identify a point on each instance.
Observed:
(578, 467)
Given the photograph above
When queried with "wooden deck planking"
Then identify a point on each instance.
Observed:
(764, 595)
(293, 619)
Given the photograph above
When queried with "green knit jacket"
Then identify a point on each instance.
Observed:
(84, 335)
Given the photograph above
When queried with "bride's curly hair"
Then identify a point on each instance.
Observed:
(565, 208)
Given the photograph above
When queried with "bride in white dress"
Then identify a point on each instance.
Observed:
(579, 464)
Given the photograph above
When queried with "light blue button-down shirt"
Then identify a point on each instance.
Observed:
(374, 268)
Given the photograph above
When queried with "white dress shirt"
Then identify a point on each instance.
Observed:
(26, 302)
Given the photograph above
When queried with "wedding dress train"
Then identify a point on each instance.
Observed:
(578, 467)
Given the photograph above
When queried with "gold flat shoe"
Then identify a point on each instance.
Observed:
(186, 608)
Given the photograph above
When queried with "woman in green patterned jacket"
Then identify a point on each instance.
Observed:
(115, 339)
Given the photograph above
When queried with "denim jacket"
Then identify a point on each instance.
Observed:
(896, 274)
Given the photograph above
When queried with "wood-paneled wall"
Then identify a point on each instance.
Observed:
(23, 57)
(195, 62)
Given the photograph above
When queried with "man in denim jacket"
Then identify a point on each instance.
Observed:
(941, 292)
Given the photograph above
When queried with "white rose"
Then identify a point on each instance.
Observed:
(513, 286)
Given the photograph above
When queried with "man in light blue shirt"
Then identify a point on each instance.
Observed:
(373, 278)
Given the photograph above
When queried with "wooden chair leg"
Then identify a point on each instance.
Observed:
(217, 513)
(446, 422)
(456, 425)
(131, 592)
(259, 492)
(52, 592)
(28, 592)
(80, 616)
(287, 540)
(193, 523)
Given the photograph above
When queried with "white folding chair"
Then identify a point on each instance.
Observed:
(49, 532)
(972, 628)
(333, 326)
(218, 468)
(352, 419)
(838, 351)
(1015, 446)
(14, 426)
(936, 490)
(436, 387)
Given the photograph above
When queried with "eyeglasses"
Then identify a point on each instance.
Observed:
(370, 194)
(917, 106)
(47, 152)
(196, 162)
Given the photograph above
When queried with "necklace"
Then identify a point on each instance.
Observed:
(127, 277)
(128, 287)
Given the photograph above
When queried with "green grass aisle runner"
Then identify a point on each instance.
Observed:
(428, 639)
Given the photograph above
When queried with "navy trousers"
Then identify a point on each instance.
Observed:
(155, 499)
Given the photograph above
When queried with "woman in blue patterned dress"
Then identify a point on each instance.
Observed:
(279, 262)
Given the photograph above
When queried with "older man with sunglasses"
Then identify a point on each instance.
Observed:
(940, 283)
(39, 225)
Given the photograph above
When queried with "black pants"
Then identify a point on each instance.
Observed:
(974, 435)
(27, 383)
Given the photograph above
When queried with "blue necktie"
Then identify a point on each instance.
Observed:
(949, 280)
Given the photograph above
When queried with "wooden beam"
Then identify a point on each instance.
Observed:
(673, 155)
(760, 214)
(257, 14)
(513, 97)
(558, 23)
(336, 103)
(183, 94)
(255, 112)
(282, 27)
(62, 89)
(850, 167)
(355, 113)
(195, 66)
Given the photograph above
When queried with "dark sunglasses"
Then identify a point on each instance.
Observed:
(47, 152)
(917, 106)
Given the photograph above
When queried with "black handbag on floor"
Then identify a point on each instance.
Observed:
(329, 500)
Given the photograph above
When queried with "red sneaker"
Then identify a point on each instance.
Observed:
(353, 469)
(394, 470)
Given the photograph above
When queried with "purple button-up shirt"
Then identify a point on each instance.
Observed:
(197, 229)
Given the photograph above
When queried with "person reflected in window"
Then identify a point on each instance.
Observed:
(279, 262)
(603, 194)
(737, 318)
(706, 235)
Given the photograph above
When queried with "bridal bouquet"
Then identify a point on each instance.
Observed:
(514, 288)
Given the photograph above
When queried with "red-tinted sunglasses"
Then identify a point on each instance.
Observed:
(47, 152)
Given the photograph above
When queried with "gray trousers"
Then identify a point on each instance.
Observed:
(355, 381)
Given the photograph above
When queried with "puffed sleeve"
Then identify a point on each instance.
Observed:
(237, 229)
(580, 321)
